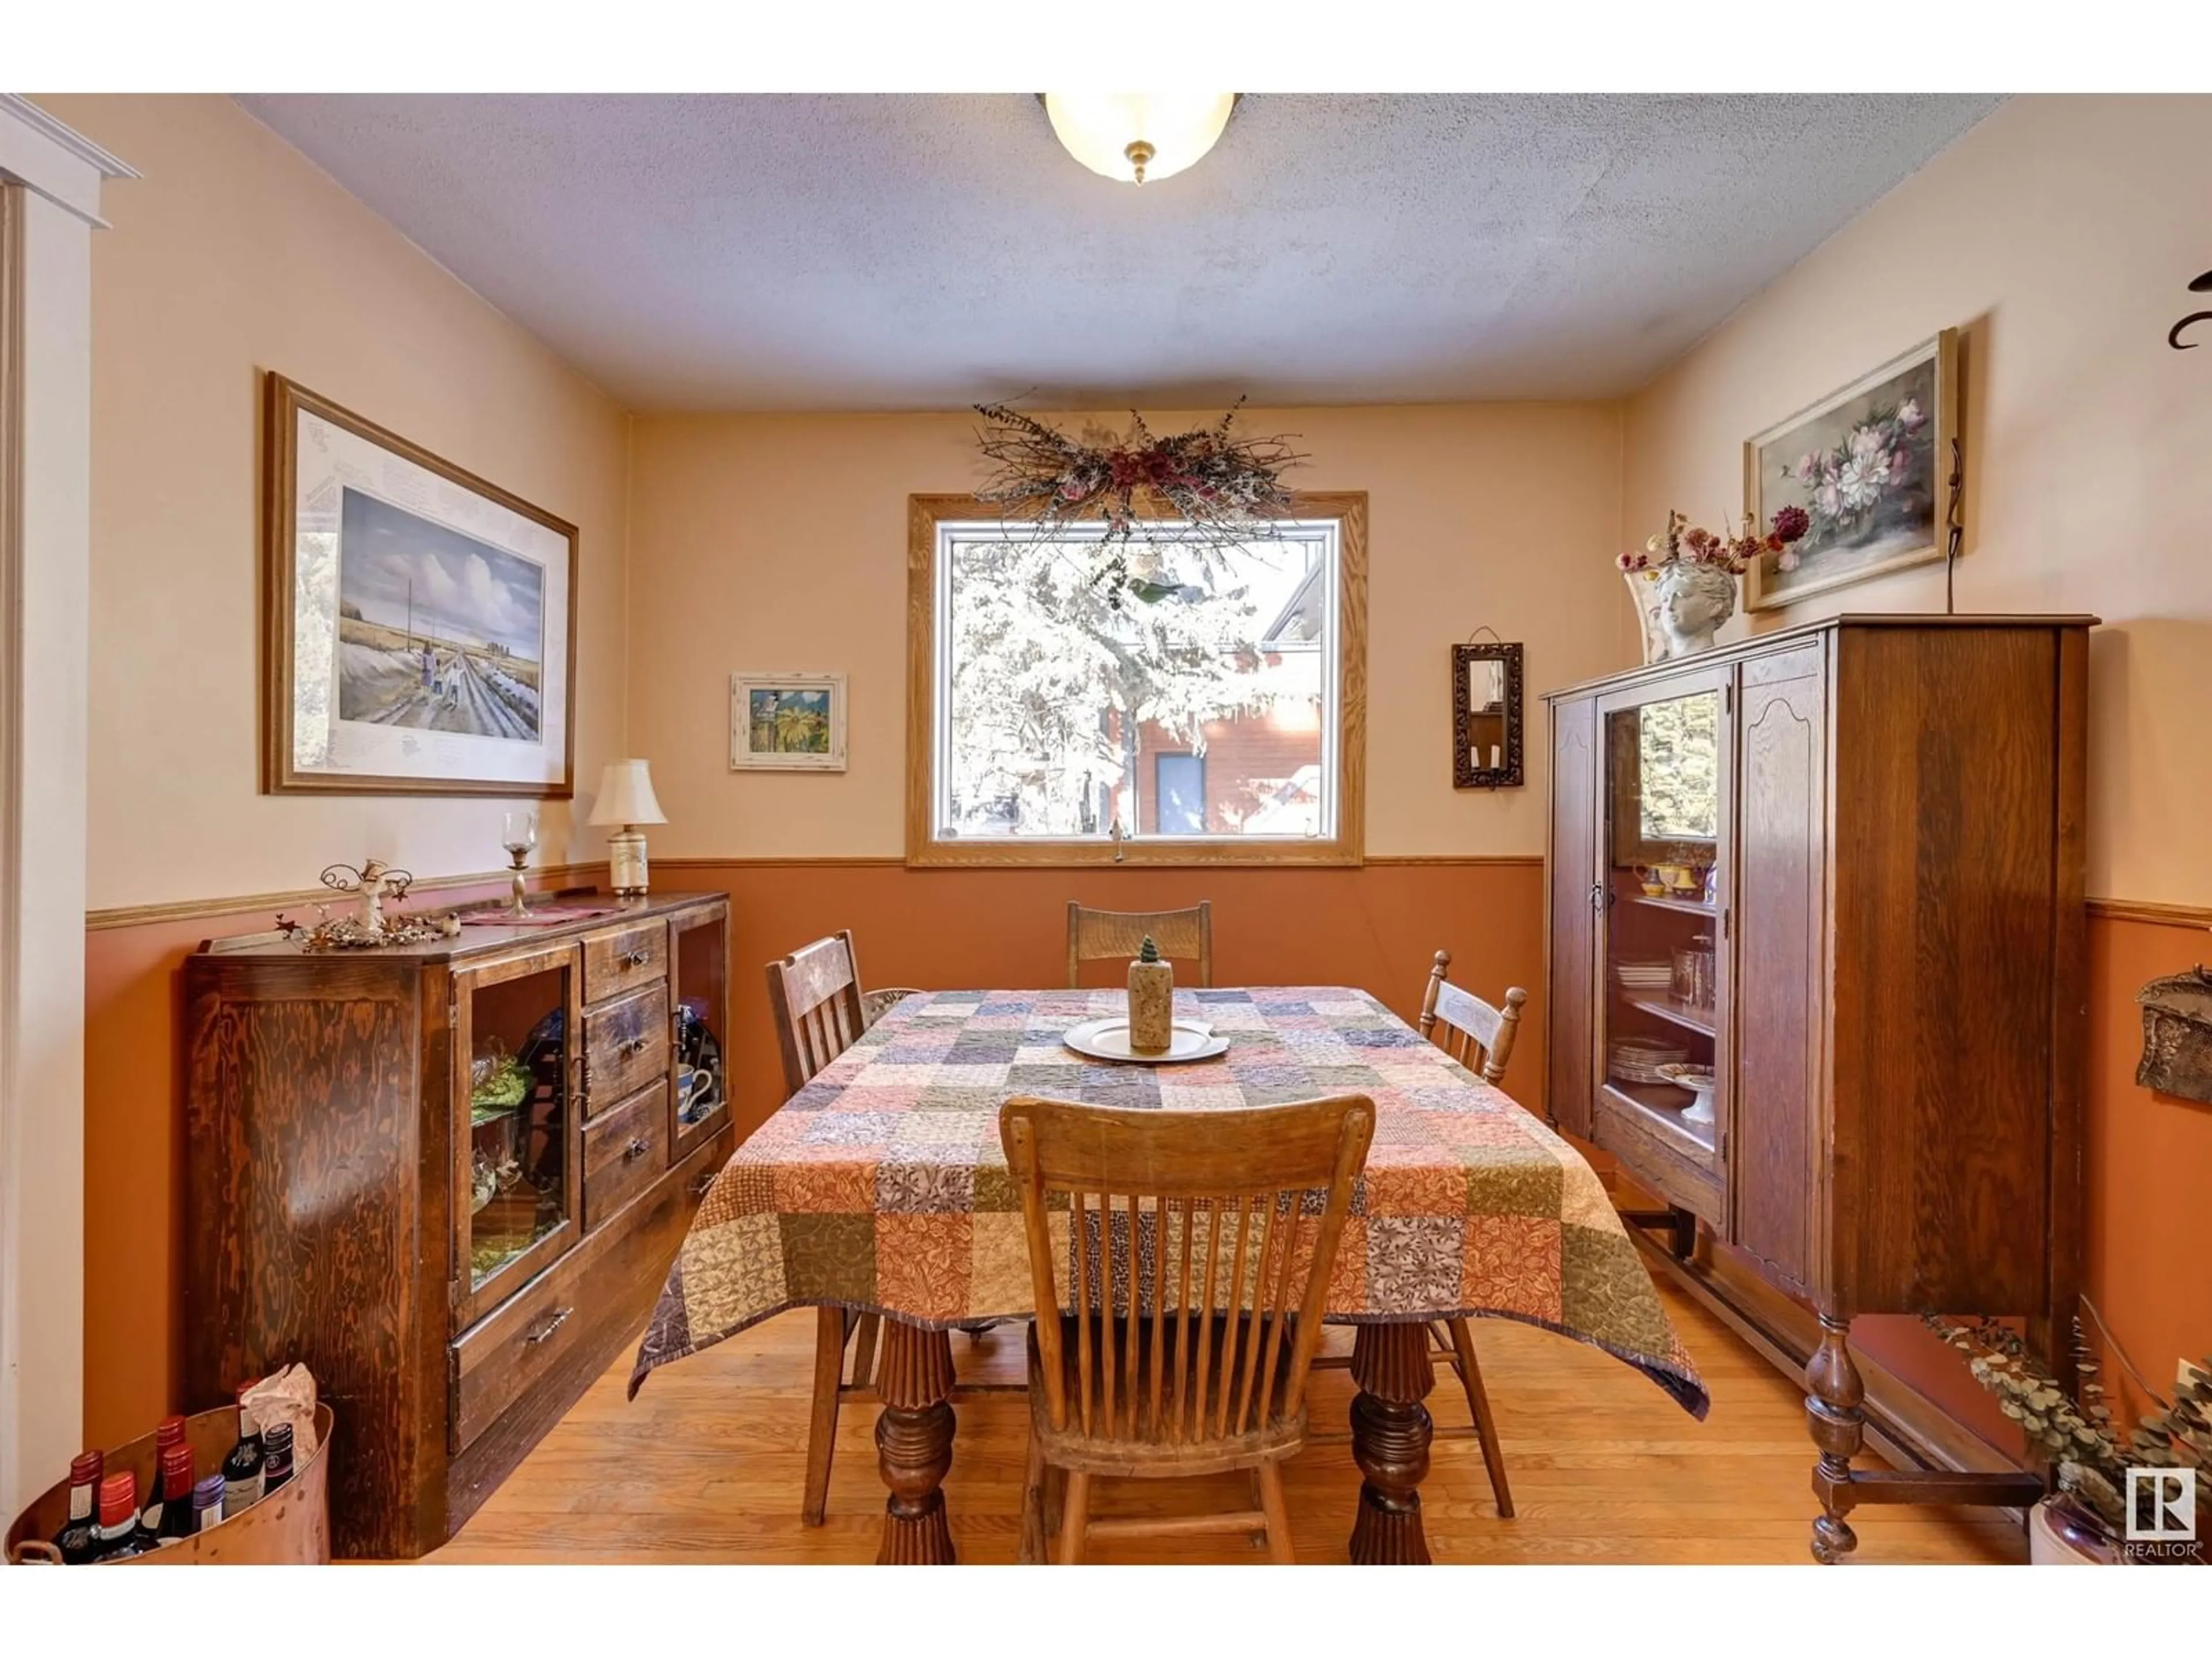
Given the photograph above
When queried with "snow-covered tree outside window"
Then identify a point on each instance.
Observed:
(1052, 704)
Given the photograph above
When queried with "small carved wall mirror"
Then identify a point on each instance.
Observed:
(1485, 715)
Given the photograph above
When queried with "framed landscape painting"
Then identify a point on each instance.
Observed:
(787, 722)
(421, 625)
(1870, 464)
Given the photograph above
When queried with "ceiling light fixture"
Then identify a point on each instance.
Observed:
(1137, 136)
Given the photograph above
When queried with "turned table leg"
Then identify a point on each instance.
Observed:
(1390, 1435)
(1831, 1410)
(913, 1444)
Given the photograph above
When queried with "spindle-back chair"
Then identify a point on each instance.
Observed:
(1179, 1265)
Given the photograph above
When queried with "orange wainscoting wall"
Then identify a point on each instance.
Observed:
(1376, 927)
(2150, 1156)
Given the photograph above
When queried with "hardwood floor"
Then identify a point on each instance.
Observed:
(706, 1465)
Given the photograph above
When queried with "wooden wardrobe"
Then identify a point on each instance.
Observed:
(1841, 865)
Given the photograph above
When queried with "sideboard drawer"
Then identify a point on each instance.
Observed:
(625, 1151)
(625, 1048)
(506, 1351)
(619, 960)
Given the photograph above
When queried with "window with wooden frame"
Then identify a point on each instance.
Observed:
(1038, 710)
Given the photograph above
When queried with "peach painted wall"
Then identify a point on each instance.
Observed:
(2059, 235)
(234, 254)
(779, 542)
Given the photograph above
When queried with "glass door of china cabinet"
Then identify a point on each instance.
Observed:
(699, 964)
(517, 1041)
(1664, 885)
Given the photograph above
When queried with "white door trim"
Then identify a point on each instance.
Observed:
(51, 179)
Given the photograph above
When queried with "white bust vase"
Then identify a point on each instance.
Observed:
(1694, 600)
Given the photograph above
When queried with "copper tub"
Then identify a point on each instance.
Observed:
(292, 1529)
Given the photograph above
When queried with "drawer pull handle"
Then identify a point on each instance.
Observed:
(700, 1183)
(636, 1150)
(545, 1328)
(636, 1046)
(638, 957)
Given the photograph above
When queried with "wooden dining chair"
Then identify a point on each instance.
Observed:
(1476, 1034)
(1480, 1038)
(874, 1005)
(820, 1010)
(1098, 935)
(1202, 1370)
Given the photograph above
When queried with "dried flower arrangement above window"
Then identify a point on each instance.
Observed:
(1205, 487)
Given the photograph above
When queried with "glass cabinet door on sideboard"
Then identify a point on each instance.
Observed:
(699, 970)
(1663, 879)
(517, 1177)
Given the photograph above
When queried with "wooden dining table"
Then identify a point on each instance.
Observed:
(881, 1187)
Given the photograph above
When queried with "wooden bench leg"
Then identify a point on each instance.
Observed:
(1478, 1404)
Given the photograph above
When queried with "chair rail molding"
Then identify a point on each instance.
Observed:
(50, 183)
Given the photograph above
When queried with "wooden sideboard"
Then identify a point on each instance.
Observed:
(361, 1198)
(1866, 837)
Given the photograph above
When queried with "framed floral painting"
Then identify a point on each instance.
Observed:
(1871, 465)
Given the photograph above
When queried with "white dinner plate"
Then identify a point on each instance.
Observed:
(1108, 1039)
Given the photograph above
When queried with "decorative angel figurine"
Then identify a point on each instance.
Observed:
(375, 881)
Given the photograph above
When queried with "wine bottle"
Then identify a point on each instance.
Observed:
(207, 1502)
(118, 1519)
(82, 1530)
(242, 1470)
(169, 1432)
(276, 1464)
(173, 1513)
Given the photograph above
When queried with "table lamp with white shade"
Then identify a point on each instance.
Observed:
(626, 798)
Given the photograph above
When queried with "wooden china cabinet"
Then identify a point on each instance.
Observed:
(1841, 867)
(449, 1179)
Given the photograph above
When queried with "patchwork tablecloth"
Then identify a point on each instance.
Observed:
(881, 1185)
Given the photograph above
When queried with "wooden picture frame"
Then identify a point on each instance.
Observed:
(419, 622)
(803, 729)
(1864, 525)
(1486, 747)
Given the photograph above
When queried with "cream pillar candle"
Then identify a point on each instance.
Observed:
(1151, 1001)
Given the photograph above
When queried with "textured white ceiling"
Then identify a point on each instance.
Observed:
(879, 252)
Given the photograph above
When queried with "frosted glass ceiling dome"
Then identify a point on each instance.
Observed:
(1138, 136)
